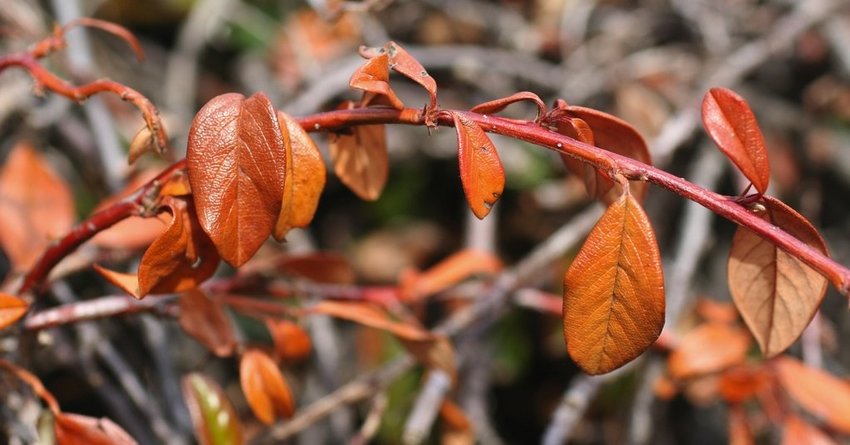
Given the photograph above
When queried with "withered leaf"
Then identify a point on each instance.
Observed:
(373, 78)
(206, 321)
(360, 160)
(481, 171)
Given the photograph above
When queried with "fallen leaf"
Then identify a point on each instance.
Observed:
(708, 348)
(74, 429)
(614, 291)
(264, 387)
(12, 309)
(481, 171)
(776, 293)
(732, 125)
(206, 321)
(818, 392)
(236, 158)
(213, 416)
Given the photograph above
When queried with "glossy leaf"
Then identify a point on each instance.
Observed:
(403, 63)
(373, 78)
(360, 160)
(36, 206)
(213, 417)
(292, 343)
(264, 387)
(732, 125)
(820, 393)
(74, 429)
(236, 160)
(495, 106)
(776, 293)
(12, 309)
(206, 321)
(614, 291)
(708, 348)
(304, 180)
(481, 171)
(797, 431)
(449, 272)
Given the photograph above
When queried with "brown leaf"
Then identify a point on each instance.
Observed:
(206, 321)
(291, 342)
(304, 181)
(481, 171)
(732, 125)
(360, 160)
(134, 232)
(143, 142)
(797, 431)
(36, 206)
(708, 348)
(776, 293)
(213, 417)
(128, 282)
(403, 63)
(264, 387)
(820, 393)
(614, 291)
(495, 106)
(74, 429)
(320, 267)
(449, 272)
(236, 160)
(12, 309)
(373, 78)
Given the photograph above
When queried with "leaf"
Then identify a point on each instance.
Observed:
(291, 342)
(739, 428)
(797, 431)
(708, 348)
(373, 78)
(403, 63)
(821, 394)
(320, 267)
(360, 160)
(264, 387)
(213, 417)
(12, 309)
(236, 160)
(776, 293)
(36, 206)
(495, 106)
(304, 180)
(449, 272)
(481, 171)
(740, 383)
(732, 125)
(135, 232)
(74, 429)
(206, 321)
(614, 291)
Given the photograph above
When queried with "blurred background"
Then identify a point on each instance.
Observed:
(646, 61)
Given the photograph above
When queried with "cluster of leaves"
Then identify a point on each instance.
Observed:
(252, 172)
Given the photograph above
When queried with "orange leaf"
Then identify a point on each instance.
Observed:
(739, 429)
(741, 383)
(320, 267)
(12, 309)
(776, 293)
(495, 106)
(264, 387)
(304, 181)
(128, 282)
(213, 417)
(403, 63)
(820, 393)
(449, 272)
(614, 290)
(134, 232)
(74, 429)
(798, 431)
(236, 160)
(715, 311)
(373, 78)
(36, 206)
(206, 321)
(360, 160)
(481, 171)
(732, 125)
(708, 348)
(291, 342)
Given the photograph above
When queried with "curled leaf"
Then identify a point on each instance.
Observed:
(776, 293)
(495, 106)
(614, 291)
(360, 160)
(264, 387)
(304, 178)
(143, 142)
(236, 160)
(213, 416)
(12, 309)
(206, 321)
(481, 171)
(373, 78)
(708, 348)
(403, 63)
(732, 125)
(74, 429)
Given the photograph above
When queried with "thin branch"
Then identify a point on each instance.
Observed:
(87, 310)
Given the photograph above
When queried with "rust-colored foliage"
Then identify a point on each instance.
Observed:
(74, 429)
(360, 159)
(318, 267)
(292, 343)
(36, 206)
(449, 272)
(614, 290)
(732, 125)
(236, 160)
(739, 428)
(495, 106)
(708, 348)
(213, 416)
(740, 383)
(816, 391)
(12, 309)
(776, 293)
(206, 321)
(797, 431)
(403, 63)
(264, 387)
(481, 171)
(373, 77)
(304, 180)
